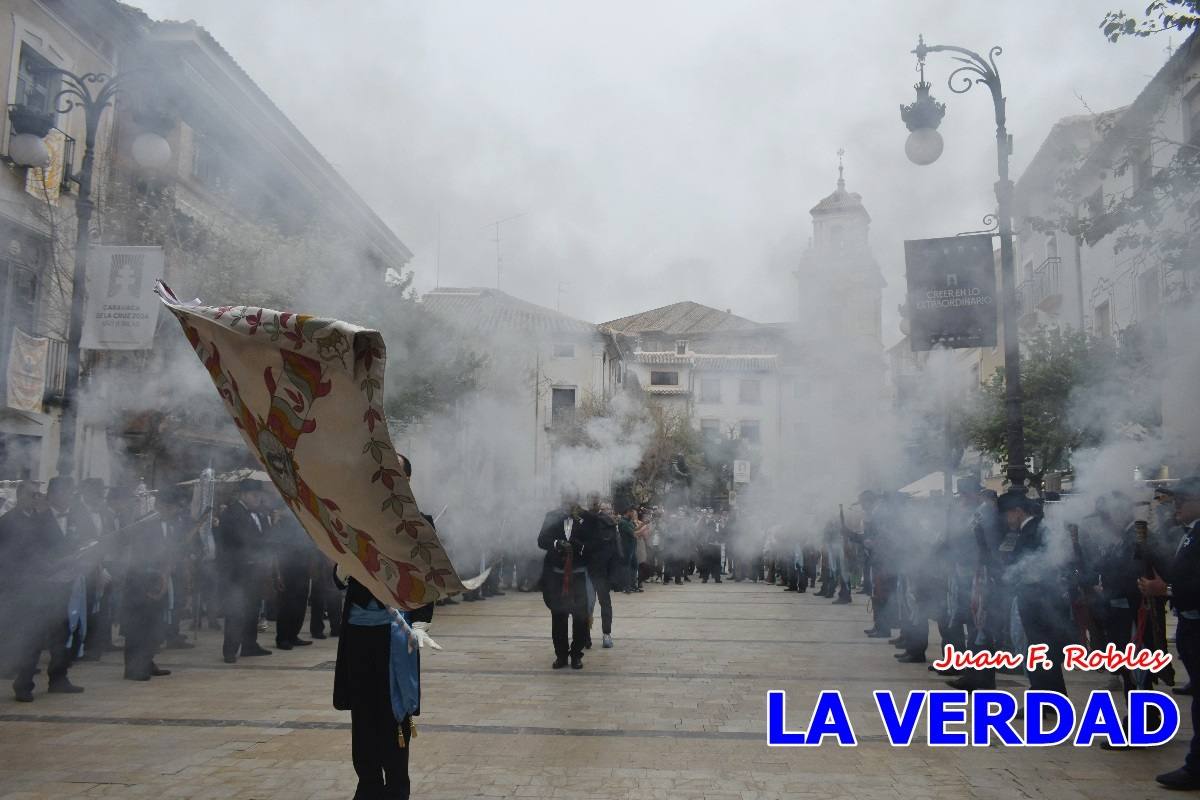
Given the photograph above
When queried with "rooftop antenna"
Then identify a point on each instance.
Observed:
(562, 285)
(841, 177)
(496, 225)
(437, 258)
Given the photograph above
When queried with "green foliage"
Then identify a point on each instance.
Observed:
(1078, 391)
(1159, 16)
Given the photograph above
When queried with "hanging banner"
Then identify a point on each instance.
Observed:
(121, 309)
(741, 471)
(951, 292)
(25, 379)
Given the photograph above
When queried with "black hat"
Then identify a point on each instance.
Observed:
(1015, 499)
(1186, 488)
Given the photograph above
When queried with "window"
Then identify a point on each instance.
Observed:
(35, 88)
(710, 429)
(664, 378)
(1027, 270)
(681, 347)
(205, 164)
(562, 406)
(1102, 323)
(1051, 247)
(564, 350)
(710, 390)
(750, 430)
(750, 391)
(1143, 168)
(1191, 116)
(18, 303)
(1149, 293)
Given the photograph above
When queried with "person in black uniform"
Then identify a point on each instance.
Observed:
(143, 584)
(41, 551)
(1178, 576)
(325, 600)
(362, 685)
(241, 542)
(564, 582)
(293, 553)
(1044, 608)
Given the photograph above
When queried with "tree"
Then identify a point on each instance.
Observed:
(1160, 16)
(1079, 391)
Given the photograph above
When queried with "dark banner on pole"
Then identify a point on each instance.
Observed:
(951, 292)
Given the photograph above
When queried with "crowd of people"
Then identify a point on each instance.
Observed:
(990, 572)
(84, 564)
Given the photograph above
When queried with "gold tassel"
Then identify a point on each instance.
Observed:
(412, 727)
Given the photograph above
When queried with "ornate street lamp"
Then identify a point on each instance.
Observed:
(923, 147)
(92, 92)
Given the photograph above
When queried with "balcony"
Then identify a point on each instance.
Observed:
(1040, 292)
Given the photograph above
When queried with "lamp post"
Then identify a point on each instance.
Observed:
(923, 147)
(92, 92)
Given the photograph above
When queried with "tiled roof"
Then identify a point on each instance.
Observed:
(493, 310)
(662, 358)
(681, 319)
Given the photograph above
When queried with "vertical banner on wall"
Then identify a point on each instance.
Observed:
(121, 309)
(951, 292)
(25, 380)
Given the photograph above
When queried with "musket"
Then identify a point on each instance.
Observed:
(67, 567)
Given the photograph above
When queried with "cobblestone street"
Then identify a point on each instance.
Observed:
(676, 710)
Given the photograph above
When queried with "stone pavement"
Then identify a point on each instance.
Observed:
(676, 711)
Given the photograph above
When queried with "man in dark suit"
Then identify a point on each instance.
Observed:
(94, 521)
(16, 526)
(1041, 602)
(564, 582)
(42, 551)
(294, 553)
(1180, 580)
(241, 558)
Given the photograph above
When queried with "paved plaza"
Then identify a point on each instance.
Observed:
(676, 711)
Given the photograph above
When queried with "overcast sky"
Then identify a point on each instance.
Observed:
(659, 151)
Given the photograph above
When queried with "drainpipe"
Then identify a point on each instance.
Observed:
(1079, 278)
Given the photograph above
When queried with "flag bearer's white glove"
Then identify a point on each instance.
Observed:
(420, 635)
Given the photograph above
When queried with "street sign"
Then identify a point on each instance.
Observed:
(951, 292)
(741, 471)
(121, 308)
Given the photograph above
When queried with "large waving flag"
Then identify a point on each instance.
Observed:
(307, 396)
